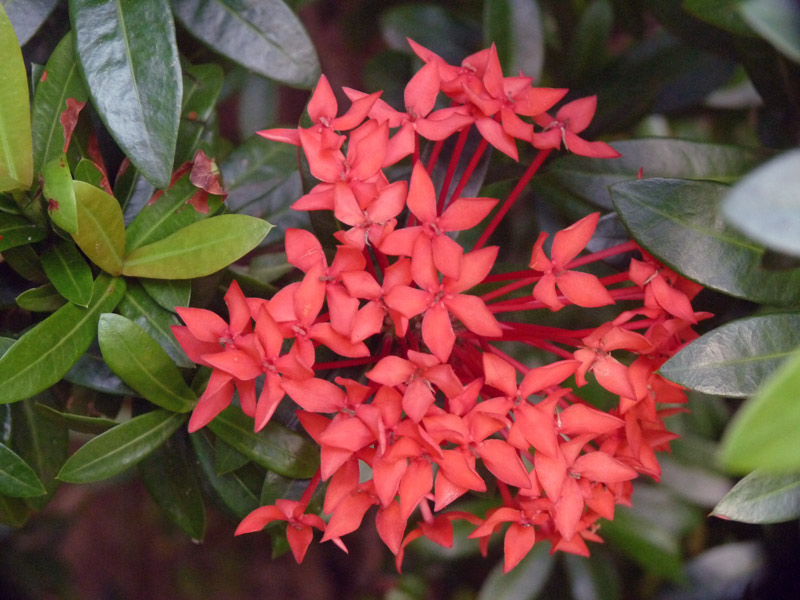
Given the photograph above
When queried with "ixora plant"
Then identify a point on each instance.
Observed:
(396, 352)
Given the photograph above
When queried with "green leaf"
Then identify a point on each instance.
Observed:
(129, 57)
(170, 477)
(762, 498)
(25, 261)
(202, 85)
(120, 448)
(736, 358)
(45, 352)
(678, 222)
(140, 308)
(63, 80)
(14, 512)
(68, 272)
(764, 204)
(88, 172)
(594, 577)
(16, 149)
(574, 176)
(17, 231)
(41, 299)
(198, 249)
(526, 580)
(778, 21)
(92, 372)
(515, 27)
(141, 363)
(27, 16)
(275, 447)
(720, 13)
(17, 479)
(101, 229)
(81, 423)
(263, 35)
(588, 42)
(226, 459)
(168, 293)
(60, 193)
(133, 191)
(233, 490)
(763, 433)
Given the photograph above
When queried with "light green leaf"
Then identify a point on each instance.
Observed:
(762, 498)
(41, 299)
(81, 423)
(120, 448)
(17, 479)
(68, 272)
(101, 229)
(16, 230)
(168, 293)
(60, 194)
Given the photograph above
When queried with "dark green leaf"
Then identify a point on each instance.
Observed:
(133, 191)
(88, 172)
(17, 479)
(263, 35)
(764, 204)
(678, 222)
(120, 448)
(762, 498)
(16, 150)
(45, 352)
(16, 231)
(25, 261)
(778, 21)
(101, 230)
(68, 272)
(14, 512)
(515, 27)
(589, 178)
(170, 477)
(139, 307)
(141, 363)
(226, 459)
(199, 249)
(525, 581)
(587, 50)
(233, 490)
(277, 486)
(63, 81)
(60, 194)
(42, 299)
(168, 293)
(274, 447)
(720, 13)
(733, 360)
(594, 577)
(92, 372)
(202, 85)
(27, 16)
(763, 434)
(129, 57)
(81, 423)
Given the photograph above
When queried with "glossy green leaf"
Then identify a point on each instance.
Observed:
(515, 27)
(736, 358)
(92, 372)
(62, 80)
(16, 149)
(60, 194)
(763, 434)
(129, 57)
(27, 16)
(275, 447)
(764, 205)
(199, 249)
(234, 491)
(678, 222)
(81, 423)
(168, 293)
(17, 479)
(101, 230)
(17, 231)
(277, 486)
(88, 172)
(68, 272)
(762, 498)
(778, 21)
(263, 35)
(202, 85)
(170, 477)
(226, 459)
(140, 308)
(41, 299)
(45, 352)
(141, 363)
(525, 581)
(120, 448)
(575, 176)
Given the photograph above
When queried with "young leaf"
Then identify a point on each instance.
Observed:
(16, 149)
(129, 57)
(762, 498)
(60, 194)
(141, 363)
(101, 230)
(763, 434)
(17, 479)
(61, 80)
(197, 250)
(16, 230)
(45, 352)
(678, 222)
(120, 448)
(274, 447)
(68, 272)
(264, 36)
(733, 360)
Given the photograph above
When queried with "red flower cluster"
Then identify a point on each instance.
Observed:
(439, 409)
